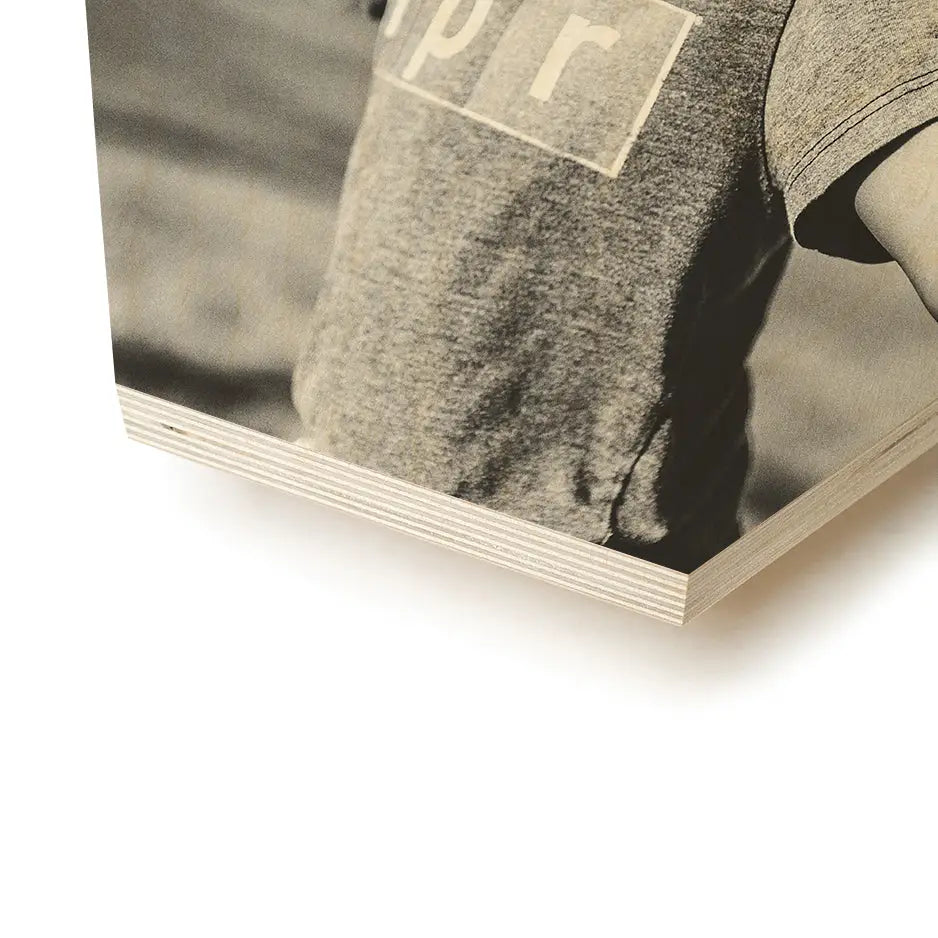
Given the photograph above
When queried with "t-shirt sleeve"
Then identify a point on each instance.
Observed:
(851, 77)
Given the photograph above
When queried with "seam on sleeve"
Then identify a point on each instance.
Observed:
(829, 139)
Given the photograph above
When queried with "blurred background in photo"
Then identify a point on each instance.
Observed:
(223, 131)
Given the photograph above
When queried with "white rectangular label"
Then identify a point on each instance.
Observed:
(577, 78)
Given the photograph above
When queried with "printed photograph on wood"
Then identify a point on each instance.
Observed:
(640, 274)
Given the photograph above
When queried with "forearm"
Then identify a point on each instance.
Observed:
(898, 202)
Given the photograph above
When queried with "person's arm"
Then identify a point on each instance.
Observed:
(898, 203)
(850, 131)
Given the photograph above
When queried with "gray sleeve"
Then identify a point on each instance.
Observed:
(850, 78)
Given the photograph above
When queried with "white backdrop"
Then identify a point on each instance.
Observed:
(224, 711)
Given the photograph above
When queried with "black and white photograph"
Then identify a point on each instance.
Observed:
(638, 276)
(470, 469)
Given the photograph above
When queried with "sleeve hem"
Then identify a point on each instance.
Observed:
(820, 191)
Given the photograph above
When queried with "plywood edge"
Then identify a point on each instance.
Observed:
(488, 535)
(797, 521)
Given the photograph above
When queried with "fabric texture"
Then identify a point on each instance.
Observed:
(850, 77)
(533, 307)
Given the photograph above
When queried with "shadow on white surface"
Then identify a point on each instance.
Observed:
(850, 564)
